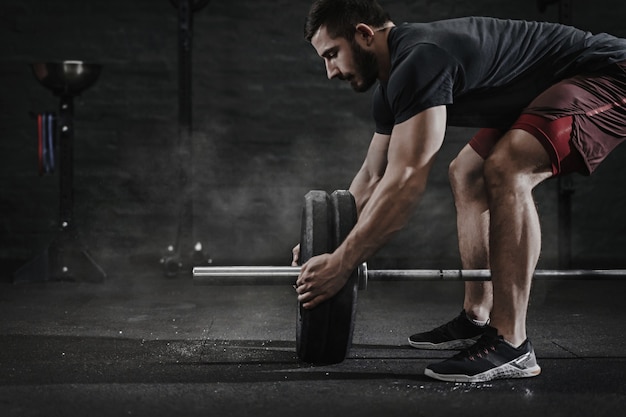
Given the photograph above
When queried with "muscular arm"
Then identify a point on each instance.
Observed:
(413, 146)
(371, 172)
(412, 150)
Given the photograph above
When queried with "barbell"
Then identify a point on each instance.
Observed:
(282, 275)
(324, 333)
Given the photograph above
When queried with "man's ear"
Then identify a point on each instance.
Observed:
(365, 33)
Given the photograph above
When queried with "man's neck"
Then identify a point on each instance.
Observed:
(382, 51)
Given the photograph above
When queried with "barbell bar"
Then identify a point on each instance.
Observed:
(267, 275)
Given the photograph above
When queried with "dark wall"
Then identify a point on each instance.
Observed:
(268, 126)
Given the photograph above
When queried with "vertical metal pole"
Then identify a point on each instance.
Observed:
(566, 189)
(66, 162)
(565, 12)
(565, 184)
(185, 23)
(184, 252)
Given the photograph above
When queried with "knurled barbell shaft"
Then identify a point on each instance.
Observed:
(212, 275)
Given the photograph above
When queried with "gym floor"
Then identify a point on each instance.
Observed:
(143, 345)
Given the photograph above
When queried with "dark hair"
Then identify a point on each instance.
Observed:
(341, 17)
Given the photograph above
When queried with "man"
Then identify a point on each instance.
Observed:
(550, 100)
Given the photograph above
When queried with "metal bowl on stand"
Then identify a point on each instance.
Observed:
(67, 77)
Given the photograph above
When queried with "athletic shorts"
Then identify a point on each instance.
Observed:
(579, 121)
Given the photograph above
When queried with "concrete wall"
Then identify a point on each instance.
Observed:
(268, 126)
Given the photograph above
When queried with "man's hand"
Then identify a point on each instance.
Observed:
(321, 277)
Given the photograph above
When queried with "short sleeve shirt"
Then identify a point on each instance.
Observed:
(484, 70)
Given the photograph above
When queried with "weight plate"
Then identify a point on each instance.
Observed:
(343, 304)
(315, 239)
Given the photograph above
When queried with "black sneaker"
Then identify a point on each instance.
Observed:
(459, 333)
(490, 358)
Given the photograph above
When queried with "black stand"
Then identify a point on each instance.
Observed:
(66, 258)
(185, 252)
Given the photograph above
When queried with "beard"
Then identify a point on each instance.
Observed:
(366, 68)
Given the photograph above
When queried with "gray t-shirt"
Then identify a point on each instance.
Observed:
(484, 70)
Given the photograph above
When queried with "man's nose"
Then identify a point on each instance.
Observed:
(331, 70)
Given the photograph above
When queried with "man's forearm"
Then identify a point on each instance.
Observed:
(362, 188)
(371, 172)
(388, 209)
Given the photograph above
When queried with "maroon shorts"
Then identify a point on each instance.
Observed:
(579, 121)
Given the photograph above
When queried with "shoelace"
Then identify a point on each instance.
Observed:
(483, 347)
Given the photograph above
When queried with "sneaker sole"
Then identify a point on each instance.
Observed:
(457, 344)
(505, 371)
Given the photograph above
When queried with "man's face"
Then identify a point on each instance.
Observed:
(347, 61)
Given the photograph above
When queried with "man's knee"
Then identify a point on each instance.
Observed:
(455, 173)
(497, 172)
(465, 171)
(519, 160)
